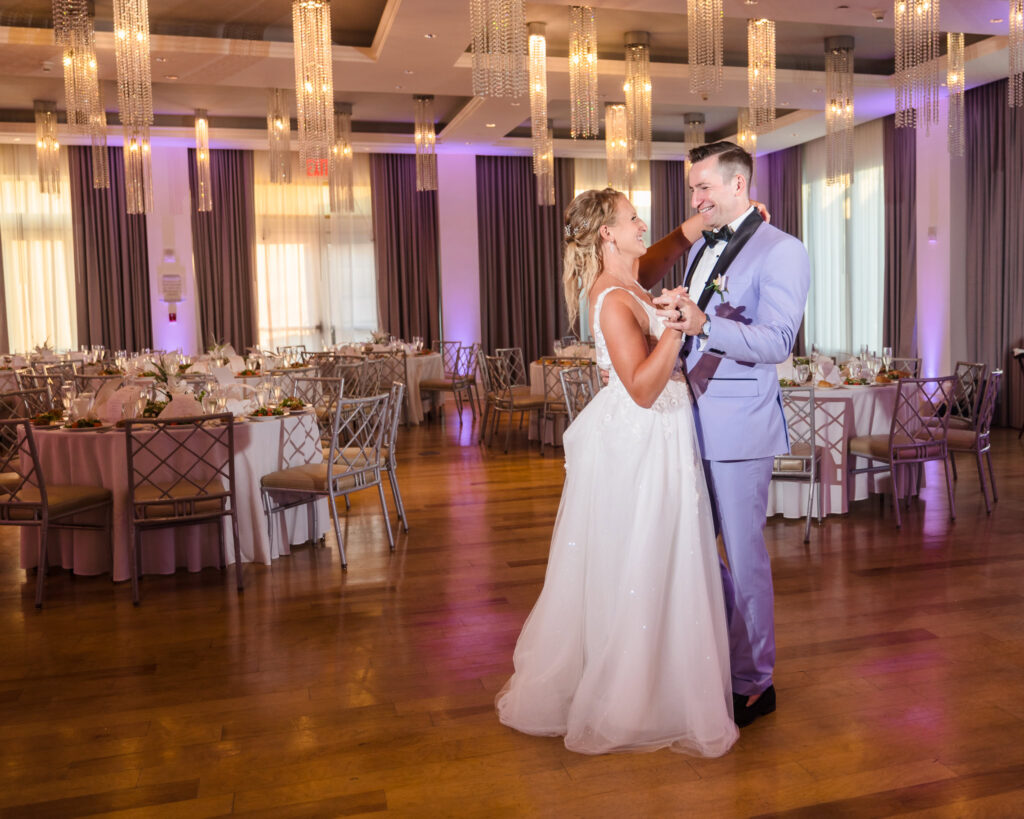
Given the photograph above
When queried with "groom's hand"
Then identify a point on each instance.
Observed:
(684, 315)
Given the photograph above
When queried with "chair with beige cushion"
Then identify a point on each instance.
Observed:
(977, 441)
(970, 377)
(507, 396)
(353, 463)
(27, 500)
(554, 393)
(803, 461)
(181, 472)
(458, 378)
(917, 434)
(388, 448)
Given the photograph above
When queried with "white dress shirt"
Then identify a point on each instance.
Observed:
(709, 259)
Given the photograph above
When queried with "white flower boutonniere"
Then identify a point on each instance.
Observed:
(719, 286)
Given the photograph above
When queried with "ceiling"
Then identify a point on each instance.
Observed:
(223, 55)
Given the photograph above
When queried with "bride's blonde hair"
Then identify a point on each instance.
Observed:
(583, 263)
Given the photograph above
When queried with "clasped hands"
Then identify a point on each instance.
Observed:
(679, 312)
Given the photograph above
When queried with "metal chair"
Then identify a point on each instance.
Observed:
(28, 380)
(970, 377)
(508, 396)
(803, 461)
(322, 395)
(577, 388)
(389, 445)
(24, 403)
(181, 472)
(977, 441)
(458, 380)
(27, 500)
(555, 405)
(353, 463)
(907, 365)
(392, 367)
(914, 435)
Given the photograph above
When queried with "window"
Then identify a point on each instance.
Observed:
(315, 271)
(844, 230)
(38, 262)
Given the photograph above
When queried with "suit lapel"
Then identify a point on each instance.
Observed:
(693, 265)
(748, 227)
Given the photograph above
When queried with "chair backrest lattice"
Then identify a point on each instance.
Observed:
(908, 365)
(554, 394)
(499, 374)
(357, 435)
(577, 388)
(970, 376)
(322, 395)
(24, 403)
(465, 363)
(180, 468)
(516, 365)
(28, 380)
(800, 410)
(393, 368)
(987, 405)
(393, 420)
(22, 488)
(920, 418)
(483, 369)
(450, 357)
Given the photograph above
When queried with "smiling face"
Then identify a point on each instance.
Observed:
(718, 193)
(626, 233)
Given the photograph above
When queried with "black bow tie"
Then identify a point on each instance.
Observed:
(720, 235)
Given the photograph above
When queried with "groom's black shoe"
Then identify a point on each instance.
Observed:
(744, 714)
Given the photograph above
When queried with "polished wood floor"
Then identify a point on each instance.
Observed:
(316, 693)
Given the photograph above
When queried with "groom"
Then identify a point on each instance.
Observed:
(746, 289)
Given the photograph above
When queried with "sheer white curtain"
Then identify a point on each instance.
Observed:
(844, 230)
(315, 273)
(39, 266)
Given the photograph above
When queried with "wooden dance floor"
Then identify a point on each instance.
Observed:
(900, 669)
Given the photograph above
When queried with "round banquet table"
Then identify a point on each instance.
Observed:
(841, 413)
(69, 456)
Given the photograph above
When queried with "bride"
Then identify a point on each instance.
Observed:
(627, 647)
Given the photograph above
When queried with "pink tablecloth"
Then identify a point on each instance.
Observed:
(100, 458)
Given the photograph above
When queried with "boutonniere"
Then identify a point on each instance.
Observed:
(718, 286)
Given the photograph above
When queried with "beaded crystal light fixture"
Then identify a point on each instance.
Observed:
(761, 74)
(616, 147)
(499, 47)
(204, 195)
(704, 21)
(47, 146)
(839, 110)
(339, 176)
(746, 136)
(426, 159)
(693, 124)
(1015, 87)
(955, 140)
(135, 99)
(538, 94)
(917, 51)
(314, 81)
(279, 133)
(638, 93)
(546, 174)
(583, 99)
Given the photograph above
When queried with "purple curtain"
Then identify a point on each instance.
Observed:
(405, 239)
(670, 207)
(224, 250)
(521, 301)
(111, 258)
(899, 152)
(995, 239)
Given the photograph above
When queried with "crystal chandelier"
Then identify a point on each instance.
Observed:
(75, 34)
(761, 74)
(426, 159)
(746, 136)
(955, 82)
(616, 147)
(499, 47)
(546, 174)
(917, 52)
(339, 175)
(135, 99)
(538, 95)
(47, 146)
(638, 93)
(583, 99)
(694, 130)
(279, 133)
(204, 195)
(839, 110)
(314, 83)
(1016, 85)
(704, 21)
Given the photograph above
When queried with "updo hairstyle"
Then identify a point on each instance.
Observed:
(583, 262)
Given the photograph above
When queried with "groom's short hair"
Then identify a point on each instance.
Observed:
(731, 158)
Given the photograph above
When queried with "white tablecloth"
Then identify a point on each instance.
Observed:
(100, 458)
(841, 413)
(418, 368)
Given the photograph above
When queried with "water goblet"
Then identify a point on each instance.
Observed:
(67, 397)
(887, 358)
(803, 372)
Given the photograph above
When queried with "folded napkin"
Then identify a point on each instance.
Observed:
(18, 362)
(829, 372)
(99, 403)
(236, 363)
(181, 405)
(113, 407)
(241, 406)
(224, 375)
(785, 369)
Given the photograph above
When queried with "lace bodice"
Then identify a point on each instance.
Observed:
(676, 387)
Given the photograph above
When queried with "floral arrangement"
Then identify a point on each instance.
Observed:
(379, 337)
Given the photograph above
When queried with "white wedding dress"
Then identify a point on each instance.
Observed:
(627, 646)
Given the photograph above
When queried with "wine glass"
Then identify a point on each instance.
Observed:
(67, 396)
(887, 358)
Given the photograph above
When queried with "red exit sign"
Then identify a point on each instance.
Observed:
(316, 167)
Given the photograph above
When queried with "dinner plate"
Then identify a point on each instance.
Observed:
(55, 425)
(100, 428)
(264, 417)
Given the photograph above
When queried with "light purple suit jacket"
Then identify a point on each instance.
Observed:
(753, 326)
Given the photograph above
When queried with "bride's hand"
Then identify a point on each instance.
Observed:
(670, 299)
(760, 207)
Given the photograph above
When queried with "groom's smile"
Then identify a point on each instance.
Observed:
(717, 195)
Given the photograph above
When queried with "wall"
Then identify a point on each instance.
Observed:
(169, 233)
(458, 248)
